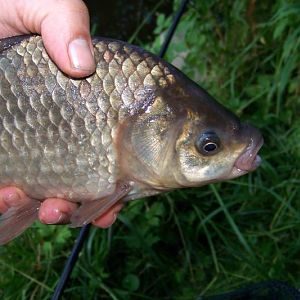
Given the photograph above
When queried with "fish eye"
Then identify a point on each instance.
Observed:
(208, 143)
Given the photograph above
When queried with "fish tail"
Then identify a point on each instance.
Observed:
(17, 219)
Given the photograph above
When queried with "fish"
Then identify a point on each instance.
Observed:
(136, 127)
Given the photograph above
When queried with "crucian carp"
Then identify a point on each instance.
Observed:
(135, 128)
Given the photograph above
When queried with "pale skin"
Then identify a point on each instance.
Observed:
(64, 26)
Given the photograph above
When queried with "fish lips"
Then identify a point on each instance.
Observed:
(249, 160)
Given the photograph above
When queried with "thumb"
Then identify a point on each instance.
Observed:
(65, 32)
(64, 26)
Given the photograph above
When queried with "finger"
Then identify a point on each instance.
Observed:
(109, 217)
(56, 211)
(11, 196)
(64, 26)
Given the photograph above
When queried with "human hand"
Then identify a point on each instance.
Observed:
(64, 26)
(53, 210)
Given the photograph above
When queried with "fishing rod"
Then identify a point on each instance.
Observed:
(84, 231)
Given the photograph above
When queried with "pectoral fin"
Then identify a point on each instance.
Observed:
(89, 211)
(14, 221)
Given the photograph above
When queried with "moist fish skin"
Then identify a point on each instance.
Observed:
(136, 127)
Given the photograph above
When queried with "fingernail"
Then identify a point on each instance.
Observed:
(11, 198)
(115, 218)
(63, 219)
(54, 217)
(81, 56)
(115, 215)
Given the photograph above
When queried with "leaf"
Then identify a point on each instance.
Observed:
(131, 282)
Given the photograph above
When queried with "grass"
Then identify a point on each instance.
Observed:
(198, 241)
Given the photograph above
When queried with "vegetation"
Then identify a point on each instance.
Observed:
(208, 240)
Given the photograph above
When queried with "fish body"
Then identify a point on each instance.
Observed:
(136, 127)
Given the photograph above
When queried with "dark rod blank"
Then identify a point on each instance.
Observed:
(172, 29)
(84, 231)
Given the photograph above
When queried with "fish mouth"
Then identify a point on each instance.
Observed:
(249, 160)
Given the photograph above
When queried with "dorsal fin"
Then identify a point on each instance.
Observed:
(8, 42)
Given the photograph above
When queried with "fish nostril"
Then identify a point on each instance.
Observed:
(236, 126)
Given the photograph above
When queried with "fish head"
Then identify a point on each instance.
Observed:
(210, 154)
(185, 138)
(214, 145)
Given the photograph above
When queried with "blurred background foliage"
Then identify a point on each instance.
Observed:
(197, 241)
